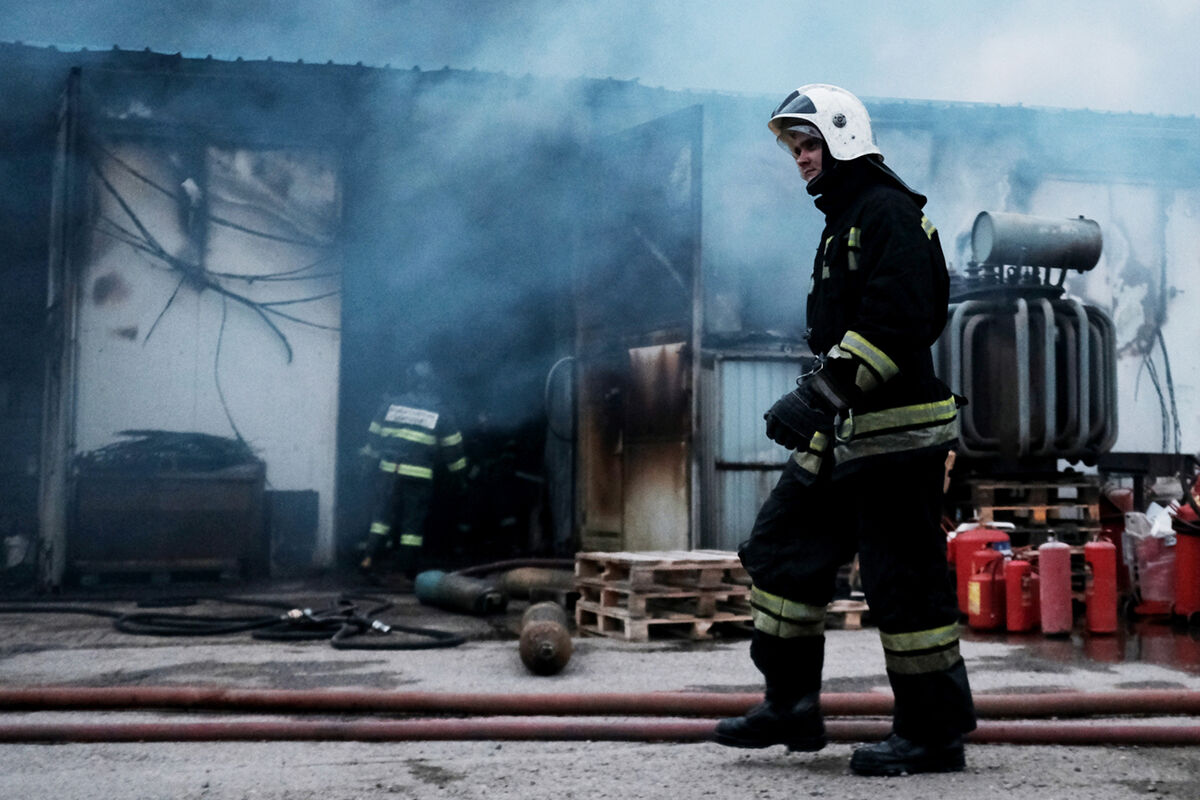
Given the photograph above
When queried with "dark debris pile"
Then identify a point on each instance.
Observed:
(168, 451)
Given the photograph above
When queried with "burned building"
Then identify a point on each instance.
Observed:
(608, 277)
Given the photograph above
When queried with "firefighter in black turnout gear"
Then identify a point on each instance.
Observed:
(413, 441)
(869, 427)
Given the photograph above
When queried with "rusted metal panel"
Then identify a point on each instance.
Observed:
(658, 405)
(657, 493)
(601, 415)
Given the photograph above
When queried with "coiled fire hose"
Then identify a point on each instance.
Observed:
(342, 623)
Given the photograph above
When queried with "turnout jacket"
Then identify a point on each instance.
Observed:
(412, 437)
(877, 302)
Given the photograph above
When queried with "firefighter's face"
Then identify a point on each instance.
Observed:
(806, 150)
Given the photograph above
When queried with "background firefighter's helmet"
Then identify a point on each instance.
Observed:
(841, 118)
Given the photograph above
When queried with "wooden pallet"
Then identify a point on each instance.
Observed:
(1069, 507)
(693, 594)
(617, 623)
(655, 600)
(691, 568)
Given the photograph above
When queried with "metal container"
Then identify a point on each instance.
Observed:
(162, 522)
(1003, 239)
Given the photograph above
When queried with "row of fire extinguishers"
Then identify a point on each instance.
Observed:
(999, 592)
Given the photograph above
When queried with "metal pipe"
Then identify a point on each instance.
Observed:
(958, 312)
(967, 415)
(560, 730)
(1021, 331)
(1049, 380)
(1073, 393)
(1085, 376)
(84, 698)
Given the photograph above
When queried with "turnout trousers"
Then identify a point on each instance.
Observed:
(401, 513)
(889, 513)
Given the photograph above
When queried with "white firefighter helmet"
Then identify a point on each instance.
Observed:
(841, 118)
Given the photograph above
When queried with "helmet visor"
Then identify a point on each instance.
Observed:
(789, 137)
(795, 103)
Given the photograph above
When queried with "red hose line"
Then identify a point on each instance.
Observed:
(686, 704)
(559, 730)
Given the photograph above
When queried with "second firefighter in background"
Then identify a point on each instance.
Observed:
(413, 442)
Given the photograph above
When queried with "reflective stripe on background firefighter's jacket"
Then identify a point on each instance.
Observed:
(413, 438)
(876, 304)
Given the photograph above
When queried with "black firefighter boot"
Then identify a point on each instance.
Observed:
(790, 713)
(797, 724)
(896, 755)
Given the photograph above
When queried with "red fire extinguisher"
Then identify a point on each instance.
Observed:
(985, 590)
(1054, 572)
(963, 546)
(1100, 590)
(1020, 595)
(1187, 560)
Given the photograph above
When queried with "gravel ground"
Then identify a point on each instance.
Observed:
(77, 650)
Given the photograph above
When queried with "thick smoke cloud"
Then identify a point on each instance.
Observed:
(1103, 54)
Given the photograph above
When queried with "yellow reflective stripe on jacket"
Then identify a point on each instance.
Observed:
(809, 459)
(457, 465)
(869, 354)
(921, 652)
(411, 540)
(896, 430)
(852, 246)
(408, 470)
(381, 528)
(928, 227)
(452, 439)
(921, 414)
(391, 432)
(787, 619)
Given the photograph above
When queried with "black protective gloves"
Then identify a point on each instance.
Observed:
(798, 415)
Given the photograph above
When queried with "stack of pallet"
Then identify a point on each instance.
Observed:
(694, 594)
(1067, 507)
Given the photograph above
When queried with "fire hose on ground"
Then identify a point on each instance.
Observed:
(342, 623)
(480, 726)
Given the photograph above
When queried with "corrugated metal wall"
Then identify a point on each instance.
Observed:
(744, 464)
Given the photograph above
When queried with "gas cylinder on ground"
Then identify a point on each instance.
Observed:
(1020, 596)
(962, 546)
(1100, 589)
(1187, 561)
(985, 590)
(1054, 574)
(545, 644)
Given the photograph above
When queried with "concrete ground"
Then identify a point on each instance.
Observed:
(68, 649)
